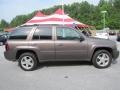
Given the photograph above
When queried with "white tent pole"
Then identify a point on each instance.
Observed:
(63, 10)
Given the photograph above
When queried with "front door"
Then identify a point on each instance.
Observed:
(68, 45)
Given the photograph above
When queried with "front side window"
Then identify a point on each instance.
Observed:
(67, 34)
(19, 33)
(43, 33)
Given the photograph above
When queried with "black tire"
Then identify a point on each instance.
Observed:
(95, 59)
(32, 57)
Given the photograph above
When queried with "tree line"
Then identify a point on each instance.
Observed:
(84, 12)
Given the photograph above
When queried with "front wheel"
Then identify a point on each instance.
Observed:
(102, 59)
(27, 61)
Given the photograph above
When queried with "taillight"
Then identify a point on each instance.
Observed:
(6, 47)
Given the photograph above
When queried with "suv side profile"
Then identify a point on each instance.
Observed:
(31, 45)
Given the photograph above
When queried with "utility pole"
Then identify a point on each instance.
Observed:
(104, 21)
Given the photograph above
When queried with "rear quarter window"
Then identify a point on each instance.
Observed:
(19, 34)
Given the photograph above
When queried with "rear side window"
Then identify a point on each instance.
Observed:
(19, 34)
(43, 33)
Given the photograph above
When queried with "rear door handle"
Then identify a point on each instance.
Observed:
(60, 44)
(34, 44)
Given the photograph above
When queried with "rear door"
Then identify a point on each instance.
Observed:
(43, 40)
(68, 45)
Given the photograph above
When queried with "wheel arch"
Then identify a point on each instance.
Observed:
(19, 52)
(103, 48)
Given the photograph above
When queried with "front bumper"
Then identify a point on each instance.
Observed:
(115, 54)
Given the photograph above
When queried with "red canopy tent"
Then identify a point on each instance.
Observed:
(58, 18)
(39, 14)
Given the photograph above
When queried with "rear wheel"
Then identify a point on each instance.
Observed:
(27, 61)
(102, 59)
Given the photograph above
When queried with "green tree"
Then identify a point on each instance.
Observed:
(21, 19)
(116, 4)
(18, 20)
(114, 15)
(4, 24)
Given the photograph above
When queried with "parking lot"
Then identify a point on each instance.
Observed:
(59, 76)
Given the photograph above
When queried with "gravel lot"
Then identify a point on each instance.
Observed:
(59, 76)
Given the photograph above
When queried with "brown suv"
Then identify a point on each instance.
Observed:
(31, 45)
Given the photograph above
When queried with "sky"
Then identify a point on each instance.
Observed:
(10, 8)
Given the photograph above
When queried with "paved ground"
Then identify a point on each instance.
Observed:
(59, 76)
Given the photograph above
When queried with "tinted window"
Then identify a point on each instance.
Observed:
(43, 33)
(67, 34)
(20, 33)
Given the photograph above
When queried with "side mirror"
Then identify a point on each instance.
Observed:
(81, 39)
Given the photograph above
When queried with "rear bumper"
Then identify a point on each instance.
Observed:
(115, 54)
(9, 56)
